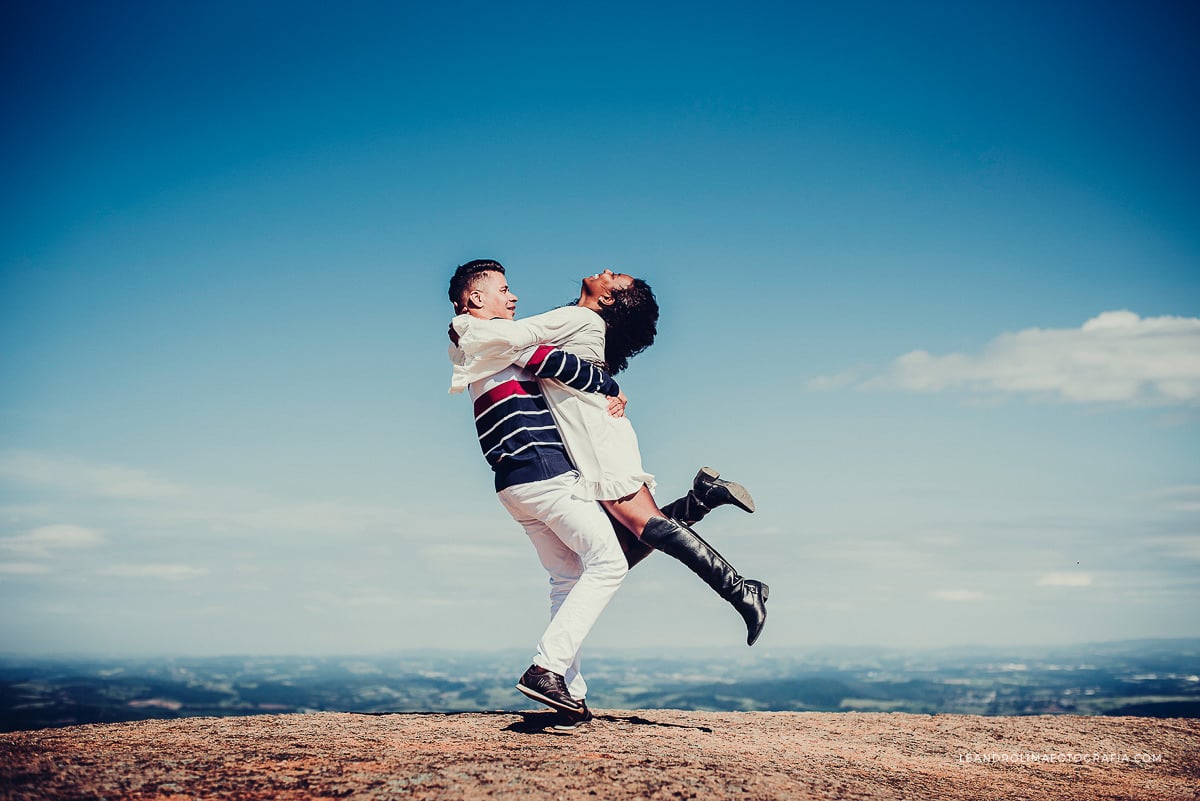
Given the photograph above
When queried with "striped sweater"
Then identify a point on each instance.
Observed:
(516, 431)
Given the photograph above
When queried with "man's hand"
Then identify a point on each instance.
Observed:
(616, 405)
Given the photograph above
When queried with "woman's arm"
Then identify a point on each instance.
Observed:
(573, 328)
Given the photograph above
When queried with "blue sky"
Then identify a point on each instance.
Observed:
(930, 280)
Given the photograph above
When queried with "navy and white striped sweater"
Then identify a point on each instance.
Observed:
(515, 427)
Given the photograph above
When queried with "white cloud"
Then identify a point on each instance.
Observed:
(22, 568)
(314, 517)
(453, 602)
(166, 572)
(837, 380)
(82, 478)
(1116, 357)
(16, 513)
(1065, 580)
(958, 595)
(1184, 498)
(381, 599)
(461, 551)
(1183, 546)
(43, 542)
(146, 499)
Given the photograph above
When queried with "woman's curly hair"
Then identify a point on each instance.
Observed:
(632, 320)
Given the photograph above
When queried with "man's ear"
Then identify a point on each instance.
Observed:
(605, 300)
(474, 300)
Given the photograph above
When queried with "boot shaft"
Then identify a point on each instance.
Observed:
(748, 597)
(682, 543)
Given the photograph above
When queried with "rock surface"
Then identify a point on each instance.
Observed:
(646, 754)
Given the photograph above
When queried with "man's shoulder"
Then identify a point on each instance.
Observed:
(511, 372)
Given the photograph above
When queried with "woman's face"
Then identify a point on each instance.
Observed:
(602, 284)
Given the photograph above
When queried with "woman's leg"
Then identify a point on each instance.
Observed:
(747, 596)
(708, 491)
(640, 514)
(634, 511)
(634, 549)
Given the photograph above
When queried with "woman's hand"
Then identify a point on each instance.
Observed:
(616, 405)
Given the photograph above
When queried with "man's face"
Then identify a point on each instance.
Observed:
(602, 284)
(490, 297)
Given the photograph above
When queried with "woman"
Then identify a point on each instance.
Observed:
(614, 319)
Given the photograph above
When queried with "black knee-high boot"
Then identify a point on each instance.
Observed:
(708, 491)
(747, 596)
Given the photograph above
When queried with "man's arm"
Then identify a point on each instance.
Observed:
(545, 361)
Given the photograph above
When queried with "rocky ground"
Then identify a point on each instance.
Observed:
(646, 754)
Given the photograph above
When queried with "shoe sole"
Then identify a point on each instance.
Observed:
(559, 728)
(741, 495)
(550, 702)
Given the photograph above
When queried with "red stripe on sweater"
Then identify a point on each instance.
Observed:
(539, 356)
(506, 390)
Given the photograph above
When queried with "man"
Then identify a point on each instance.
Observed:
(533, 478)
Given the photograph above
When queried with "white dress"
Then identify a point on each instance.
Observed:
(603, 448)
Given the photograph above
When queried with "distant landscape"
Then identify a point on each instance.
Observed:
(1149, 678)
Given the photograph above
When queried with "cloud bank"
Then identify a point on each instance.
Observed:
(1065, 580)
(168, 504)
(84, 478)
(1115, 357)
(46, 540)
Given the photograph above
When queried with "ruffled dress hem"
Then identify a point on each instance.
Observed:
(612, 489)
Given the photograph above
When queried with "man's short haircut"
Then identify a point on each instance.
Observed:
(465, 277)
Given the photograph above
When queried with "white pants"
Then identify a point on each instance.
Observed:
(576, 544)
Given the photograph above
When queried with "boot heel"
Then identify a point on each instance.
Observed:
(713, 491)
